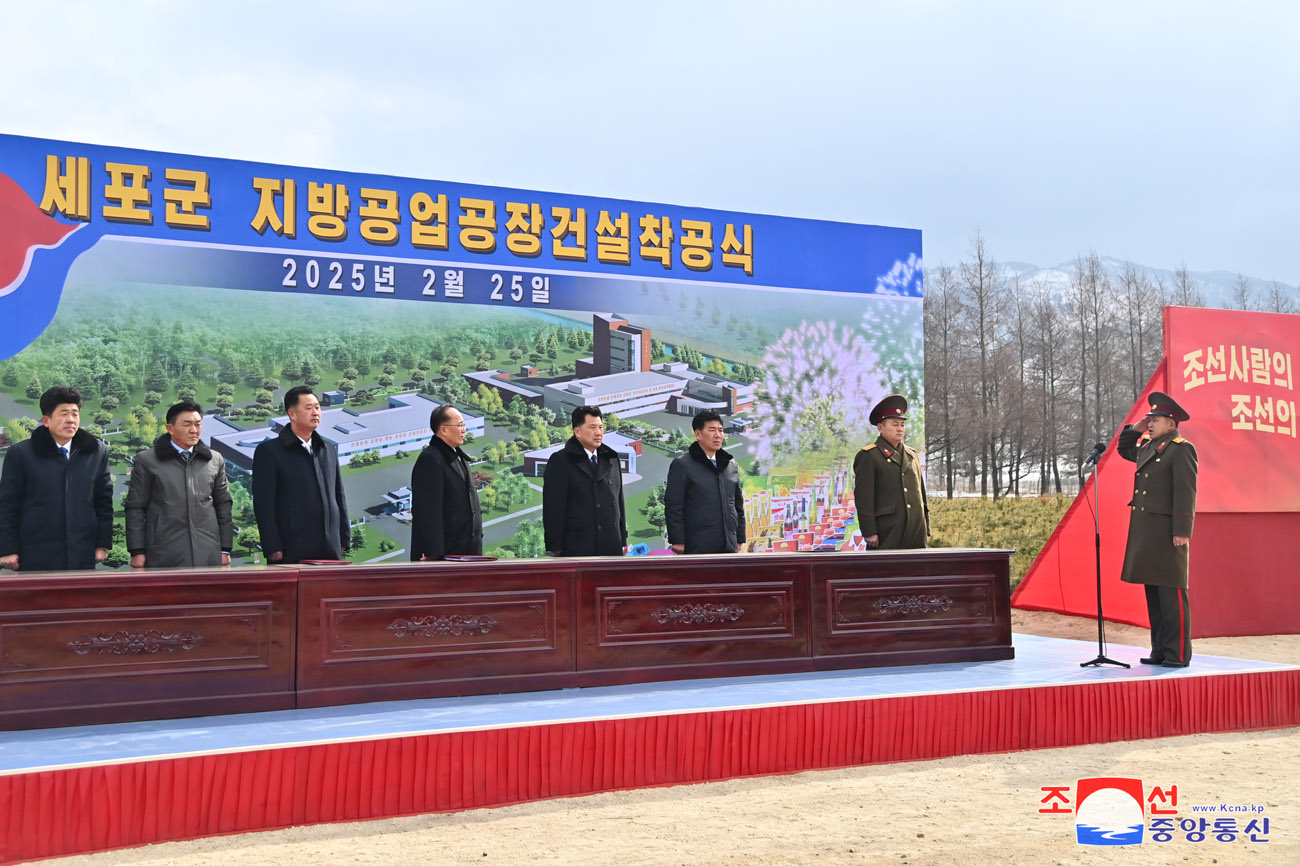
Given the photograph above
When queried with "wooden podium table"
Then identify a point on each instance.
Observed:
(104, 646)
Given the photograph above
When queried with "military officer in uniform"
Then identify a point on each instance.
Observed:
(1160, 525)
(888, 486)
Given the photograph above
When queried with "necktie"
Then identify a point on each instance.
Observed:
(595, 464)
(185, 456)
(63, 449)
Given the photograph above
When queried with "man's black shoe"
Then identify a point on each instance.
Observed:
(1174, 664)
(1152, 660)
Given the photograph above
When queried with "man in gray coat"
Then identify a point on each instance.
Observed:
(178, 504)
(704, 503)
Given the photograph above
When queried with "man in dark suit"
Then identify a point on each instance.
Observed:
(704, 502)
(445, 514)
(888, 484)
(1160, 525)
(56, 496)
(582, 499)
(298, 489)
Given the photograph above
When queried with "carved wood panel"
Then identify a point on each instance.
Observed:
(412, 631)
(912, 608)
(81, 642)
(114, 647)
(857, 605)
(690, 611)
(703, 612)
(429, 625)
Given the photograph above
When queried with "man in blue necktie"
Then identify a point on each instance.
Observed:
(56, 495)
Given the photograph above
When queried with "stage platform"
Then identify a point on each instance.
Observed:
(92, 788)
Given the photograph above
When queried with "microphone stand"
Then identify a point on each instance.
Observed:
(1101, 658)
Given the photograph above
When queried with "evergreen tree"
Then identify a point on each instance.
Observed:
(155, 379)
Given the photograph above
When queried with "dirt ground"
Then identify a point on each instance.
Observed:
(967, 810)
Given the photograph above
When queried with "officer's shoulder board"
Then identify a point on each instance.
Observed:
(1180, 440)
(868, 447)
(911, 451)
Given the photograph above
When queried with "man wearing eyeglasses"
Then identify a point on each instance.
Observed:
(445, 515)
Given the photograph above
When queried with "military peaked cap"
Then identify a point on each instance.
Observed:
(1162, 404)
(893, 406)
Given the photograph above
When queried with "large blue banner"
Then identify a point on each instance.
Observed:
(224, 223)
(141, 277)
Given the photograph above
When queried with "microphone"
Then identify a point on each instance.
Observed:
(1096, 454)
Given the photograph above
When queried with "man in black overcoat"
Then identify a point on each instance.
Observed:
(298, 489)
(445, 514)
(582, 499)
(56, 495)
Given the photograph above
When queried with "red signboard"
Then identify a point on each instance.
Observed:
(1234, 373)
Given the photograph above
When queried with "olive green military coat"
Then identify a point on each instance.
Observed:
(889, 491)
(1163, 505)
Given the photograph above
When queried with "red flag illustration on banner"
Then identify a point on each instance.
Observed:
(26, 229)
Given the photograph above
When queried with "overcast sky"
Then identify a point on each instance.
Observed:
(1161, 132)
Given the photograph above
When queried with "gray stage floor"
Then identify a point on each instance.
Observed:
(1039, 662)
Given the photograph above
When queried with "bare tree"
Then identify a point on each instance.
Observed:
(1048, 327)
(1185, 293)
(984, 299)
(1279, 301)
(1242, 294)
(945, 346)
(1017, 391)
(1083, 286)
(1136, 291)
